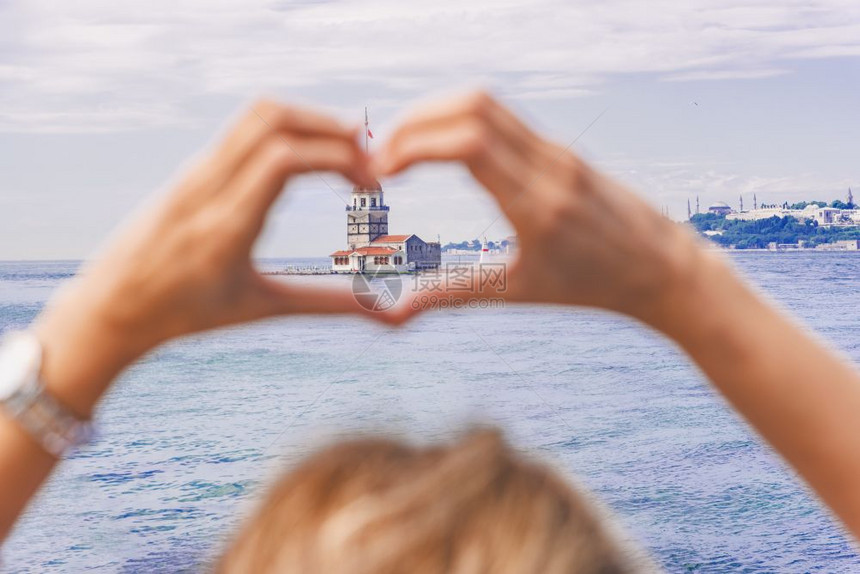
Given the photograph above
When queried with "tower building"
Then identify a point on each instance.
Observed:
(366, 216)
(369, 246)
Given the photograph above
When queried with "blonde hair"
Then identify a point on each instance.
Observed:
(377, 506)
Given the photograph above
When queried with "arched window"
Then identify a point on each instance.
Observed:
(363, 202)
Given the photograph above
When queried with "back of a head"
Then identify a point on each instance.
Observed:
(376, 506)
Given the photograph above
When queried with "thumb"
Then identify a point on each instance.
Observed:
(283, 298)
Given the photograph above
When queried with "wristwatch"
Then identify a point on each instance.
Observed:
(24, 398)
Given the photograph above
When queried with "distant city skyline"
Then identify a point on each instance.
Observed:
(848, 197)
(100, 103)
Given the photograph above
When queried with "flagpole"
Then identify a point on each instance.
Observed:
(366, 145)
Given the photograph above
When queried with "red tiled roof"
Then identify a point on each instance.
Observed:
(340, 253)
(375, 250)
(391, 238)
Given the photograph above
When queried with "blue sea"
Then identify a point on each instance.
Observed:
(190, 436)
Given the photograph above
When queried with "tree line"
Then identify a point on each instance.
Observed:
(757, 234)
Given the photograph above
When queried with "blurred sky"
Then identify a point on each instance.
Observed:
(101, 102)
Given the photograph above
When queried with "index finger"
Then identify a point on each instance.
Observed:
(479, 105)
(265, 118)
(503, 171)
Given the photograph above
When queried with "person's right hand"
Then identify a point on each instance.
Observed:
(583, 238)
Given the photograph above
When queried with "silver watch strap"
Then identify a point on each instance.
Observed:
(50, 423)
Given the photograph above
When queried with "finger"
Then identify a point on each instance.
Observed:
(500, 169)
(481, 286)
(281, 298)
(266, 118)
(479, 105)
(253, 190)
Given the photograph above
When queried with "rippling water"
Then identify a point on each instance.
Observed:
(191, 433)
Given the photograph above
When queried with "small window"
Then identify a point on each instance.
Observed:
(372, 202)
(363, 202)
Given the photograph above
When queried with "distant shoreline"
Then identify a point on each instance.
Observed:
(710, 247)
(781, 251)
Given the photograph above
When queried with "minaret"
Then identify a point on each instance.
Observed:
(689, 213)
(697, 205)
(850, 199)
(742, 203)
(755, 202)
(367, 217)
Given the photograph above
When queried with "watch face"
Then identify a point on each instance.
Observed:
(19, 362)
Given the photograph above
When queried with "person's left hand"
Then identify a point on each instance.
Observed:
(184, 265)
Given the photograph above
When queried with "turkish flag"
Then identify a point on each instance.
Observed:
(369, 133)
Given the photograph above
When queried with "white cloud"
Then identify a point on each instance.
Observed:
(726, 75)
(63, 60)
